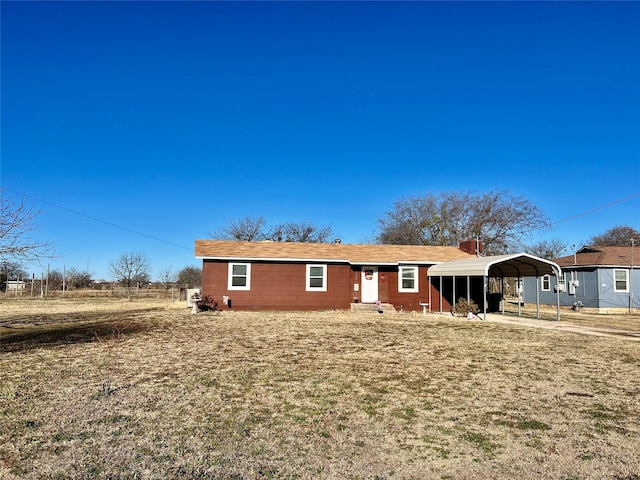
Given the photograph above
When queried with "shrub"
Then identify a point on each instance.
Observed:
(464, 306)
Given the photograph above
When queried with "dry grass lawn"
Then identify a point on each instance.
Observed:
(133, 389)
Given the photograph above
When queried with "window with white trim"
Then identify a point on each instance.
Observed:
(408, 279)
(545, 283)
(620, 280)
(316, 278)
(239, 276)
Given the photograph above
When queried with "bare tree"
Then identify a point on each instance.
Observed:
(619, 236)
(549, 249)
(16, 223)
(166, 276)
(55, 280)
(305, 231)
(499, 219)
(10, 270)
(78, 279)
(255, 229)
(130, 268)
(247, 229)
(190, 277)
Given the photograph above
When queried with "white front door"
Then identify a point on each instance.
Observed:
(369, 282)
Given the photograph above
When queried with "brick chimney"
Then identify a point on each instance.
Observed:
(474, 247)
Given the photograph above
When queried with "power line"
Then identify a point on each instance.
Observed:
(594, 210)
(95, 219)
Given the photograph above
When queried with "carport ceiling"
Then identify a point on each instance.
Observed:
(512, 265)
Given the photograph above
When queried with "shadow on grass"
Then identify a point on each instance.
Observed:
(62, 331)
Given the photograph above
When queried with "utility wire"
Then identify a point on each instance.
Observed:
(573, 217)
(95, 219)
(602, 207)
(594, 210)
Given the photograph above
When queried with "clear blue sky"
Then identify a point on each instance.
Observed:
(169, 118)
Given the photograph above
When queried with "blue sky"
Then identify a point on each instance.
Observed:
(169, 118)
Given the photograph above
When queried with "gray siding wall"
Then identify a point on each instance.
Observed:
(586, 291)
(609, 298)
(595, 289)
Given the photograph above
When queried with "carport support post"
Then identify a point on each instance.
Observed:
(430, 288)
(453, 279)
(519, 289)
(485, 281)
(538, 296)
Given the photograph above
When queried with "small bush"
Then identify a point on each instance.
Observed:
(206, 303)
(464, 306)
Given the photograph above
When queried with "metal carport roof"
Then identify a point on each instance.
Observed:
(512, 265)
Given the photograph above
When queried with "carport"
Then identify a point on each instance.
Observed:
(473, 270)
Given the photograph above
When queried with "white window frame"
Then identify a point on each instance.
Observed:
(416, 286)
(545, 279)
(626, 280)
(323, 288)
(247, 275)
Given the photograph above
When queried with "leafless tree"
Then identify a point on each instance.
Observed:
(78, 279)
(130, 268)
(255, 229)
(10, 270)
(190, 276)
(549, 249)
(305, 231)
(55, 280)
(247, 229)
(166, 276)
(16, 223)
(619, 236)
(499, 219)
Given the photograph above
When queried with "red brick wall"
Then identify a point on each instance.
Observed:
(279, 286)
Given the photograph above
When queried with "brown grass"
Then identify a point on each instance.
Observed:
(137, 389)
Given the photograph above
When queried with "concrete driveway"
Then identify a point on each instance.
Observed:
(632, 335)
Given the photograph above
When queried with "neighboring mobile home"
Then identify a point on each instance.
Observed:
(317, 276)
(603, 278)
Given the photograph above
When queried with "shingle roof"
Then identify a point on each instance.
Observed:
(341, 252)
(600, 257)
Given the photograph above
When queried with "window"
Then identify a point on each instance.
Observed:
(546, 283)
(239, 276)
(621, 280)
(316, 278)
(408, 279)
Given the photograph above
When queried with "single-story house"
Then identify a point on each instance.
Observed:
(316, 276)
(602, 278)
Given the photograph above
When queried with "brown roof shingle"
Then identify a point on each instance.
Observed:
(600, 256)
(352, 253)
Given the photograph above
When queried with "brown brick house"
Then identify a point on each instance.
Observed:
(319, 276)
